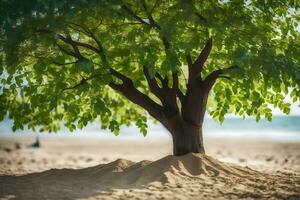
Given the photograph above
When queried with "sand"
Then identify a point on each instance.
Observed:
(130, 169)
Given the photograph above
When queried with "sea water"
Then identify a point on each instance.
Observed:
(281, 128)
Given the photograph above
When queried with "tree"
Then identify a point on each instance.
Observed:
(74, 62)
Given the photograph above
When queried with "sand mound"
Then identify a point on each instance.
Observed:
(172, 169)
(180, 171)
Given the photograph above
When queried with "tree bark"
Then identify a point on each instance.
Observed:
(187, 137)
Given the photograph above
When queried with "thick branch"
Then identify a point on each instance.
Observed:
(189, 62)
(225, 77)
(137, 97)
(180, 95)
(199, 62)
(213, 76)
(196, 67)
(166, 95)
(164, 81)
(126, 81)
(175, 80)
(175, 87)
(154, 87)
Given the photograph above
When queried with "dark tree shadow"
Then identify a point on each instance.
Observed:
(70, 183)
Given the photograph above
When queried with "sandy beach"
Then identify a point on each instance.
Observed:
(65, 168)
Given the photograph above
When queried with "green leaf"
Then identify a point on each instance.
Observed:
(114, 127)
(84, 66)
(268, 116)
(141, 123)
(257, 118)
(221, 118)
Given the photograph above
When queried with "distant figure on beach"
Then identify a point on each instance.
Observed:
(36, 144)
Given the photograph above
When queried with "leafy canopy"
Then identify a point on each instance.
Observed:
(42, 85)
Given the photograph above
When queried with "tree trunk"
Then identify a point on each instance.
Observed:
(187, 138)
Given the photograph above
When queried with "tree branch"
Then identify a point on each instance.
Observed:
(126, 81)
(200, 16)
(137, 97)
(164, 81)
(175, 87)
(196, 67)
(199, 62)
(226, 77)
(154, 88)
(189, 62)
(180, 95)
(63, 64)
(82, 82)
(166, 95)
(69, 40)
(89, 33)
(70, 53)
(152, 22)
(75, 44)
(175, 80)
(130, 12)
(213, 76)
(154, 6)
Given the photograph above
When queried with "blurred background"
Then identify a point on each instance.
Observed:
(281, 128)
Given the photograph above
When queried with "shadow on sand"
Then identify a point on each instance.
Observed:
(69, 183)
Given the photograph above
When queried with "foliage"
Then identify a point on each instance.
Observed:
(41, 85)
